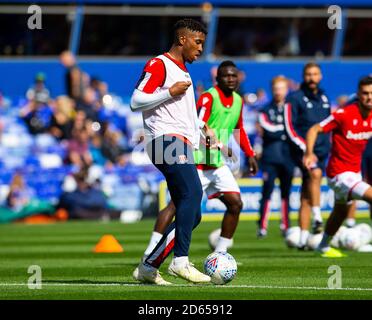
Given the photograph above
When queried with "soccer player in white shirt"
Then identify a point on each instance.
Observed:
(166, 98)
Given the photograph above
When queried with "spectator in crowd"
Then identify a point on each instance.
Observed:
(257, 99)
(37, 113)
(21, 202)
(89, 104)
(19, 194)
(38, 89)
(111, 147)
(61, 123)
(95, 148)
(81, 121)
(78, 148)
(86, 201)
(99, 87)
(76, 80)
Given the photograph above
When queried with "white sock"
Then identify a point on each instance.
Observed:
(324, 243)
(155, 238)
(317, 215)
(350, 222)
(180, 262)
(303, 237)
(222, 244)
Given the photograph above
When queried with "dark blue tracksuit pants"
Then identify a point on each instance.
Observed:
(271, 171)
(174, 158)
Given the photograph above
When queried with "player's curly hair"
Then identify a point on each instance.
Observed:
(190, 24)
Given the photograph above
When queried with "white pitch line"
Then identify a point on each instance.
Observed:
(183, 285)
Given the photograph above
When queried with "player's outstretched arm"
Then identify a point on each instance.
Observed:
(311, 136)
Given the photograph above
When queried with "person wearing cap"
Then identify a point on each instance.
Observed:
(39, 92)
(37, 113)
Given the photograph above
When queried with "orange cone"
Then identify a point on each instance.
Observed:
(108, 244)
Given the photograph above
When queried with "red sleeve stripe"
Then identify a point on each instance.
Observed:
(298, 140)
(267, 124)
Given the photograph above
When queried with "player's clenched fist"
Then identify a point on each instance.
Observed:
(179, 88)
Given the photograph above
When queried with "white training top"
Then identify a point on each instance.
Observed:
(177, 115)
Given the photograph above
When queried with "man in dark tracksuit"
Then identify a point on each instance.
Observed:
(304, 108)
(276, 161)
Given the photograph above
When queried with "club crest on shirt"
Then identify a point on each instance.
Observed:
(182, 159)
(325, 100)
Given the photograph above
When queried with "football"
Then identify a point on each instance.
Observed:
(213, 239)
(314, 240)
(336, 240)
(292, 238)
(221, 267)
(350, 239)
(365, 233)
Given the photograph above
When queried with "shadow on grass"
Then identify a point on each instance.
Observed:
(89, 282)
(121, 264)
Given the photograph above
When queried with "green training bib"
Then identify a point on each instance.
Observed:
(223, 121)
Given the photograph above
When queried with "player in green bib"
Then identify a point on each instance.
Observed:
(220, 114)
(222, 120)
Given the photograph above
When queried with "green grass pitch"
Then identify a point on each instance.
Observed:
(267, 269)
